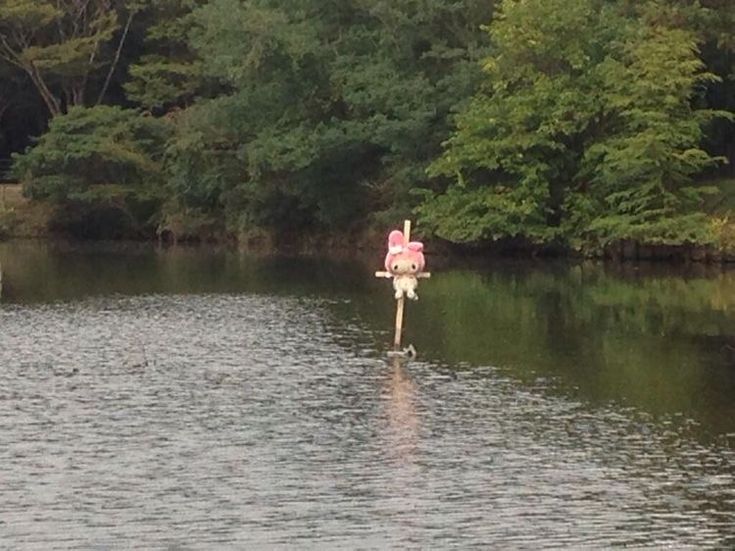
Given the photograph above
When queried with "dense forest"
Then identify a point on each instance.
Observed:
(578, 124)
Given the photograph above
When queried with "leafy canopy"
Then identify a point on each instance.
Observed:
(98, 159)
(586, 129)
(334, 108)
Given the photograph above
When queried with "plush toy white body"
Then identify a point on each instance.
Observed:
(405, 284)
(404, 261)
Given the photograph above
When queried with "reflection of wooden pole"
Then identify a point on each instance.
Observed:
(401, 301)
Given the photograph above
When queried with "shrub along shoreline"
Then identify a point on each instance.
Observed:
(21, 218)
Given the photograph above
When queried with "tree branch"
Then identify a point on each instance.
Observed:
(117, 57)
(49, 99)
(8, 54)
(3, 107)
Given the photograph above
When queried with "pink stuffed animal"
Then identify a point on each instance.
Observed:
(404, 261)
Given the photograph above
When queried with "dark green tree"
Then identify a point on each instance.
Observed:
(101, 167)
(334, 111)
(169, 74)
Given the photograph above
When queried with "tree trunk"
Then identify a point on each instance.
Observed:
(77, 91)
(52, 103)
(117, 57)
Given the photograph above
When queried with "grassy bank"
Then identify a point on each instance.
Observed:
(20, 217)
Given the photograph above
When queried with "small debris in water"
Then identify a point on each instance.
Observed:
(408, 353)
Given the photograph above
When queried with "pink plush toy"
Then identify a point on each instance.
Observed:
(404, 261)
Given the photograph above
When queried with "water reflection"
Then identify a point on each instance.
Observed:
(48, 272)
(402, 430)
(659, 342)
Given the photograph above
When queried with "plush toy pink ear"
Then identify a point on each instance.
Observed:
(395, 242)
(416, 246)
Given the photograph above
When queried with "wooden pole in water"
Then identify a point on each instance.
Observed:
(400, 303)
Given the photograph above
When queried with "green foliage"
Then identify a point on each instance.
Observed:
(334, 111)
(641, 172)
(516, 144)
(586, 129)
(582, 122)
(169, 74)
(27, 15)
(58, 45)
(159, 82)
(98, 160)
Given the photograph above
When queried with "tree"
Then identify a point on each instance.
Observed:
(100, 166)
(61, 45)
(333, 109)
(169, 74)
(586, 130)
(517, 146)
(642, 170)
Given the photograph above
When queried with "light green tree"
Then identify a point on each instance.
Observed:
(515, 151)
(639, 173)
(587, 129)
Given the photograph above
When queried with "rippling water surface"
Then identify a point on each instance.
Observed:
(221, 401)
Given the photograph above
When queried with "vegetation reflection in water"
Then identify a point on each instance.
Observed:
(660, 342)
(658, 338)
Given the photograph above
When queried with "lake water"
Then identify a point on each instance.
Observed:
(196, 399)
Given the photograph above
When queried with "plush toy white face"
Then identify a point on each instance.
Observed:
(404, 265)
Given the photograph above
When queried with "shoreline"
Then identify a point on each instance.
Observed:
(446, 254)
(21, 219)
